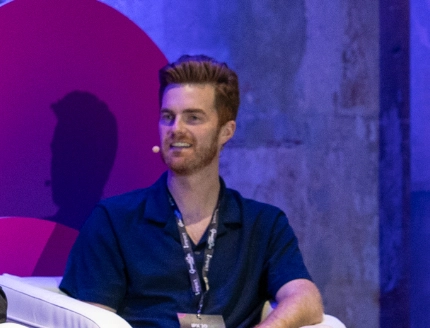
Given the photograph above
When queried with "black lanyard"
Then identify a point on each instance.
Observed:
(189, 254)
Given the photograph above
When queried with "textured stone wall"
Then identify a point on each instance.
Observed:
(420, 95)
(308, 132)
(420, 163)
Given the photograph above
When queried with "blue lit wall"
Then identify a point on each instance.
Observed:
(420, 162)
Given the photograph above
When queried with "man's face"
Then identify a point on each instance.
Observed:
(189, 132)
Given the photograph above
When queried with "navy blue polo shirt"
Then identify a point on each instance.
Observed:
(128, 256)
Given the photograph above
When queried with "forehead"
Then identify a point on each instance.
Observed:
(189, 96)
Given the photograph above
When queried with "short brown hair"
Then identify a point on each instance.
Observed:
(203, 69)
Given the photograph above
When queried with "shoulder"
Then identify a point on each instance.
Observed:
(130, 199)
(121, 207)
(134, 200)
(251, 209)
(114, 212)
(119, 215)
(250, 203)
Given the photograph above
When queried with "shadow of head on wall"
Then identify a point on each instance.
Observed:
(83, 152)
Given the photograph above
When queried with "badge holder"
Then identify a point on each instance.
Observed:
(191, 320)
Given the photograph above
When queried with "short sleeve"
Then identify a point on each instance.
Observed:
(95, 268)
(284, 260)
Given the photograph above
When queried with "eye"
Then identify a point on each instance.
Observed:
(194, 118)
(166, 118)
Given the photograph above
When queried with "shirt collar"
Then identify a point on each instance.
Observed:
(229, 211)
(158, 209)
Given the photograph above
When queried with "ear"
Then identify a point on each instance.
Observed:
(227, 132)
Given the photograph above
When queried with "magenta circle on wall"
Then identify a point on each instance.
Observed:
(78, 107)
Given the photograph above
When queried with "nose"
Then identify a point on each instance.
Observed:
(177, 125)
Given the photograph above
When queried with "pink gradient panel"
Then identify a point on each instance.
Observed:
(50, 48)
(52, 261)
(23, 241)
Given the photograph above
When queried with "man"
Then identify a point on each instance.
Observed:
(188, 251)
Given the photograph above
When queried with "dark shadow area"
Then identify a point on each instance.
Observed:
(83, 153)
(420, 259)
(394, 165)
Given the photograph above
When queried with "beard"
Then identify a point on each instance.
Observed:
(203, 155)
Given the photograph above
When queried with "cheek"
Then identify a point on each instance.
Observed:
(161, 132)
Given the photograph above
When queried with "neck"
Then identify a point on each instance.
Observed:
(196, 195)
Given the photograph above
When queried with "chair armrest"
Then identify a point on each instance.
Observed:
(37, 302)
(329, 322)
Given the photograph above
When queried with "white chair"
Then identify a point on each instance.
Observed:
(38, 302)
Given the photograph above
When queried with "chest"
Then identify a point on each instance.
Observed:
(158, 273)
(196, 230)
(154, 256)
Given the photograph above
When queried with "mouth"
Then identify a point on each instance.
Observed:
(180, 145)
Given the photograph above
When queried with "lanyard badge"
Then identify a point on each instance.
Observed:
(188, 320)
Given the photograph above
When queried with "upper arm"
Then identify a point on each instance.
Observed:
(95, 268)
(284, 261)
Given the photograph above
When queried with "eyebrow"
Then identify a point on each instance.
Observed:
(187, 111)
